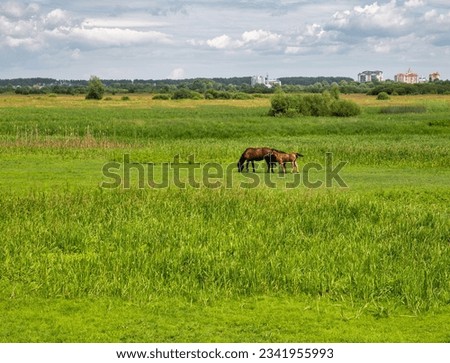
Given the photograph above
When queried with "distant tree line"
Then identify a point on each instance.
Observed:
(394, 88)
(225, 88)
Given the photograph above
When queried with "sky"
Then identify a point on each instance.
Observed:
(178, 39)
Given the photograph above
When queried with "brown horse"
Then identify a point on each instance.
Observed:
(282, 158)
(252, 154)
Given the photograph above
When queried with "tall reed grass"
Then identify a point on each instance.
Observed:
(226, 243)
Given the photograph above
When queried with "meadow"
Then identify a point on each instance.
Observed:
(227, 257)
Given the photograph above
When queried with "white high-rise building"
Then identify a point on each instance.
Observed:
(269, 83)
(370, 76)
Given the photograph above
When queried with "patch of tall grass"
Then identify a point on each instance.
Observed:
(226, 243)
(203, 122)
(403, 109)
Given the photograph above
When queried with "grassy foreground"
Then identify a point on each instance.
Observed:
(367, 262)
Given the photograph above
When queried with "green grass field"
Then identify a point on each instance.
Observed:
(250, 257)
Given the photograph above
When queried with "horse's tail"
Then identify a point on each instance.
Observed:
(299, 155)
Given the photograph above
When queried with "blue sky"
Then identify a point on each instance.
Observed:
(160, 39)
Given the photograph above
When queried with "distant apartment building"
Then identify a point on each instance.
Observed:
(370, 76)
(266, 81)
(435, 76)
(408, 77)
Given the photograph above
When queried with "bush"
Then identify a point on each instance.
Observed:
(383, 96)
(313, 105)
(325, 104)
(242, 96)
(184, 93)
(96, 89)
(218, 95)
(161, 96)
(280, 104)
(344, 108)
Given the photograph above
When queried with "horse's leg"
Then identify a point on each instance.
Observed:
(246, 165)
(269, 164)
(294, 166)
(253, 166)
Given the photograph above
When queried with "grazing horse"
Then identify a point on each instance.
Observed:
(282, 158)
(253, 154)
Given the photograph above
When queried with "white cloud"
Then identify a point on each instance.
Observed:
(380, 46)
(76, 54)
(28, 43)
(293, 50)
(386, 18)
(414, 3)
(177, 73)
(108, 37)
(248, 40)
(15, 9)
(315, 30)
(434, 17)
(222, 42)
(31, 29)
(132, 22)
(18, 29)
(56, 18)
(260, 36)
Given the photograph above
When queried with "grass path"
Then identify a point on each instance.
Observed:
(257, 319)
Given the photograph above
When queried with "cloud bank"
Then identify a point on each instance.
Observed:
(222, 38)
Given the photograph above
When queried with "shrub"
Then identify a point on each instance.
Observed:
(225, 95)
(383, 96)
(96, 89)
(161, 96)
(345, 108)
(280, 104)
(125, 98)
(313, 105)
(325, 104)
(184, 93)
(242, 96)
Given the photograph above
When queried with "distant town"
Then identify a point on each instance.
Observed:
(409, 77)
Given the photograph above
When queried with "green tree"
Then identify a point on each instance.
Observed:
(96, 89)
